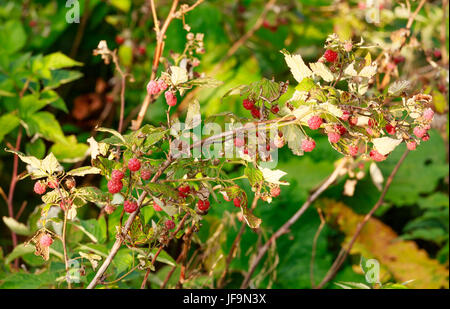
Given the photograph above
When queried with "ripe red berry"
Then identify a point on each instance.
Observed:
(340, 129)
(146, 174)
(399, 59)
(117, 175)
(119, 40)
(39, 187)
(345, 115)
(428, 114)
(109, 209)
(45, 240)
(246, 151)
(162, 85)
(170, 225)
(334, 137)
(255, 112)
(130, 206)
(308, 145)
(153, 88)
(171, 99)
(353, 150)
(371, 122)
(184, 189)
(237, 202)
(248, 104)
(134, 165)
(156, 207)
(203, 205)
(376, 156)
(314, 122)
(426, 137)
(275, 191)
(330, 55)
(437, 54)
(239, 142)
(53, 183)
(142, 50)
(275, 109)
(352, 120)
(32, 23)
(114, 186)
(268, 147)
(419, 132)
(390, 129)
(411, 145)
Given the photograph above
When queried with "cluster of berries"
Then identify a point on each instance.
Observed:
(255, 111)
(154, 87)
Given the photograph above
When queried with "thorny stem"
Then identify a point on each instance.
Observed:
(345, 251)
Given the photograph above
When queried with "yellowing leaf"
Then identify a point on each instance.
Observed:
(322, 70)
(298, 67)
(178, 75)
(385, 145)
(273, 176)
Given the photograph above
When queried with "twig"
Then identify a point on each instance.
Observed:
(186, 245)
(80, 30)
(344, 252)
(66, 258)
(285, 227)
(314, 247)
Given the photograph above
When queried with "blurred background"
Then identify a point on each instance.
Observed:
(409, 235)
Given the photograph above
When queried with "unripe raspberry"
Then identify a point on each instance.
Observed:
(130, 206)
(170, 225)
(330, 55)
(32, 23)
(237, 202)
(348, 46)
(171, 99)
(53, 184)
(255, 112)
(146, 174)
(345, 115)
(353, 150)
(340, 129)
(371, 123)
(278, 141)
(437, 54)
(369, 131)
(275, 191)
(428, 114)
(362, 5)
(153, 88)
(39, 187)
(419, 132)
(352, 120)
(399, 59)
(114, 186)
(334, 137)
(162, 85)
(308, 144)
(411, 145)
(156, 207)
(248, 104)
(119, 40)
(70, 183)
(376, 156)
(314, 122)
(117, 175)
(239, 142)
(142, 50)
(426, 137)
(390, 129)
(65, 204)
(109, 209)
(203, 205)
(45, 240)
(134, 165)
(274, 109)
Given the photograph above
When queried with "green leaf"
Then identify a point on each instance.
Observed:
(12, 36)
(85, 170)
(306, 85)
(160, 188)
(163, 257)
(125, 55)
(70, 150)
(16, 227)
(19, 251)
(36, 148)
(60, 77)
(46, 124)
(113, 132)
(254, 175)
(58, 61)
(8, 123)
(123, 5)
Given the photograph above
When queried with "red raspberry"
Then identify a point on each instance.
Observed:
(53, 183)
(340, 128)
(353, 121)
(330, 55)
(170, 225)
(203, 205)
(156, 207)
(437, 54)
(119, 40)
(146, 174)
(376, 156)
(308, 145)
(109, 209)
(256, 113)
(39, 187)
(348, 46)
(345, 115)
(278, 141)
(426, 137)
(134, 165)
(182, 195)
(70, 183)
(248, 104)
(275, 191)
(371, 122)
(428, 114)
(267, 147)
(369, 131)
(171, 99)
(117, 175)
(142, 50)
(65, 204)
(153, 88)
(45, 240)
(411, 145)
(184, 189)
(114, 186)
(246, 151)
(130, 206)
(314, 122)
(237, 202)
(390, 129)
(32, 23)
(353, 150)
(162, 85)
(399, 59)
(239, 142)
(275, 109)
(419, 132)
(334, 137)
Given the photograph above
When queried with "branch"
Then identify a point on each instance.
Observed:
(344, 252)
(285, 227)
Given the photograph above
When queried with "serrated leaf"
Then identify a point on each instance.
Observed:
(322, 70)
(369, 71)
(178, 75)
(58, 60)
(294, 137)
(84, 170)
(251, 220)
(113, 132)
(385, 145)
(298, 67)
(51, 165)
(398, 87)
(254, 175)
(273, 176)
(17, 227)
